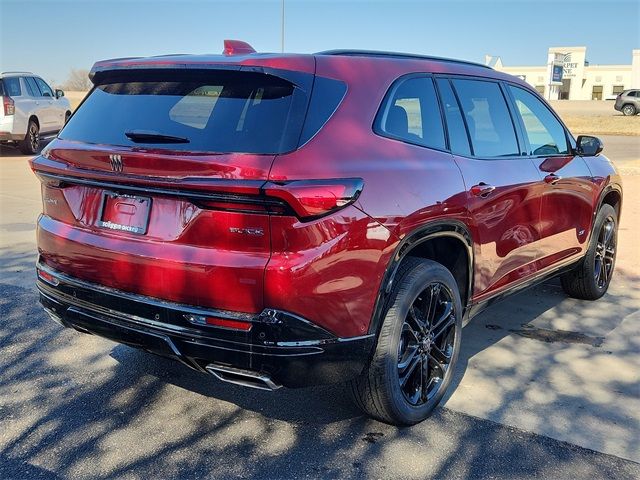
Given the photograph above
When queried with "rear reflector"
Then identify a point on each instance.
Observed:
(47, 277)
(315, 198)
(219, 322)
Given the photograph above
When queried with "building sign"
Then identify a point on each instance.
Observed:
(569, 67)
(556, 74)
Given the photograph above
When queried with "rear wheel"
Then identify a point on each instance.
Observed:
(591, 278)
(417, 348)
(629, 110)
(31, 142)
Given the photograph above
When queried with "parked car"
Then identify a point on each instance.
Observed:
(31, 110)
(280, 219)
(628, 102)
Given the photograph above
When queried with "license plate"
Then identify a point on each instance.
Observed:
(124, 213)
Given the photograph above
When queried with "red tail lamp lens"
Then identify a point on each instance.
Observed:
(9, 105)
(315, 198)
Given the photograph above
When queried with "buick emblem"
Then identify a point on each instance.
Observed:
(116, 163)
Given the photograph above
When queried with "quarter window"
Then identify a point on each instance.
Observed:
(487, 116)
(412, 114)
(545, 133)
(12, 86)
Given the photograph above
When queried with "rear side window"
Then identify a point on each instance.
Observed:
(34, 91)
(11, 86)
(487, 116)
(545, 133)
(208, 111)
(411, 113)
(458, 140)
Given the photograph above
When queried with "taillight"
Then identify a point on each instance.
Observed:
(9, 105)
(315, 198)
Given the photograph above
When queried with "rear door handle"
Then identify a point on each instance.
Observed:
(552, 178)
(482, 190)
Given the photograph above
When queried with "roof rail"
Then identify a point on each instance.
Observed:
(20, 73)
(376, 53)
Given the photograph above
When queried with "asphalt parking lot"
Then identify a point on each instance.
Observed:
(547, 386)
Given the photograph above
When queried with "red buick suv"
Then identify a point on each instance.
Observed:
(291, 220)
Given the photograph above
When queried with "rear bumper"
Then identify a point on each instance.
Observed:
(280, 347)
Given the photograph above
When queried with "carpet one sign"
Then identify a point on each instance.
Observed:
(573, 62)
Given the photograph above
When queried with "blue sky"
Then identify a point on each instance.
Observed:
(75, 34)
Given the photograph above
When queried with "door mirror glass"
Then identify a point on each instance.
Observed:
(59, 93)
(588, 146)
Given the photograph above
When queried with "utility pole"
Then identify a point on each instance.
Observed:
(282, 30)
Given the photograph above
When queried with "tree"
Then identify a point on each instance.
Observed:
(78, 80)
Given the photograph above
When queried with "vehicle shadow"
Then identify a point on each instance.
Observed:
(75, 405)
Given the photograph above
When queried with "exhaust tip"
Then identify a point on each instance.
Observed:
(245, 378)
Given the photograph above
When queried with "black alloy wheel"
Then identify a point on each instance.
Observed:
(426, 344)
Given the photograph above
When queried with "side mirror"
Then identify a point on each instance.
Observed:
(59, 93)
(588, 146)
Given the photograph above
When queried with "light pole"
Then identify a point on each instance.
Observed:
(282, 30)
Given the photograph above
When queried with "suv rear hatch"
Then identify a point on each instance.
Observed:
(156, 184)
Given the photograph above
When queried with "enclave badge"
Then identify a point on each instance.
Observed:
(116, 163)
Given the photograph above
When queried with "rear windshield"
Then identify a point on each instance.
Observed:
(199, 111)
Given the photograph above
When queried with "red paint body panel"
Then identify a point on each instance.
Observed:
(328, 270)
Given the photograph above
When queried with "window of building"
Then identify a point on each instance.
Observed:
(412, 114)
(540, 89)
(596, 93)
(487, 116)
(545, 133)
(617, 89)
(458, 140)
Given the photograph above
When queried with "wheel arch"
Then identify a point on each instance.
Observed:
(611, 195)
(433, 241)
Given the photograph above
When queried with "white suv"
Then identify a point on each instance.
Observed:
(30, 110)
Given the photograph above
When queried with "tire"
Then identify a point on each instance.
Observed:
(31, 143)
(629, 110)
(379, 391)
(591, 278)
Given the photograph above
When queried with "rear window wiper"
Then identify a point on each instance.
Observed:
(147, 136)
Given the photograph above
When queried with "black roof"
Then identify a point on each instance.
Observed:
(375, 53)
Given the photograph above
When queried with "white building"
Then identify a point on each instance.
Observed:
(569, 76)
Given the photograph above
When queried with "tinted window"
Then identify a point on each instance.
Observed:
(412, 114)
(545, 133)
(458, 140)
(44, 88)
(487, 116)
(34, 91)
(325, 98)
(214, 111)
(632, 93)
(12, 86)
